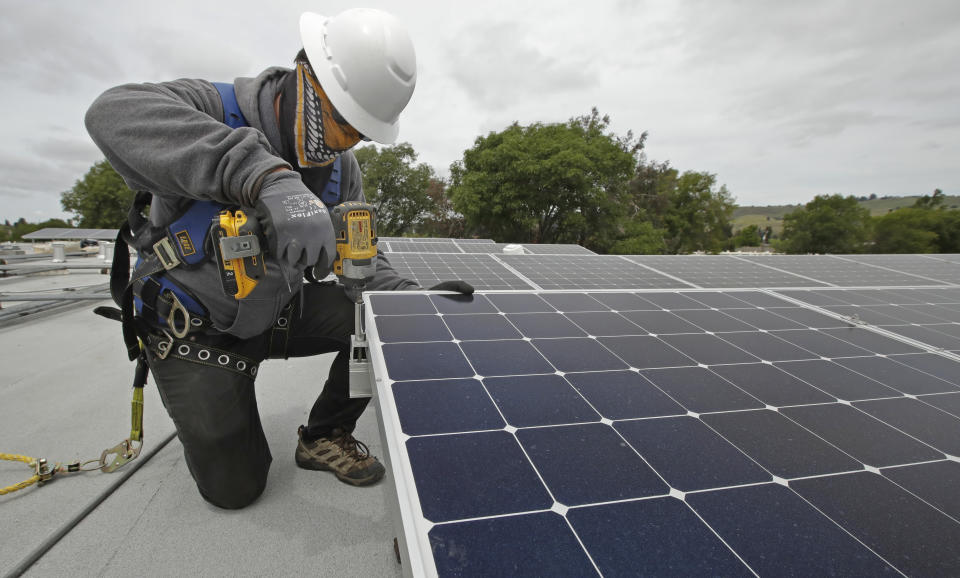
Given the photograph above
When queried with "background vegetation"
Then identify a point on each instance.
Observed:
(579, 182)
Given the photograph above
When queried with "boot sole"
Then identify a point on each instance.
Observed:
(371, 479)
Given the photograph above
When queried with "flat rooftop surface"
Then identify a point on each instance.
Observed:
(65, 395)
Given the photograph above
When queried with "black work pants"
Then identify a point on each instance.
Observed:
(215, 409)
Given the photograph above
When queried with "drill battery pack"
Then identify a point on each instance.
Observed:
(237, 245)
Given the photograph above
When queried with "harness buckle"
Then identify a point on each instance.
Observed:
(176, 306)
(164, 347)
(165, 251)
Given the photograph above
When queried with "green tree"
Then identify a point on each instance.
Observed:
(100, 200)
(926, 227)
(441, 220)
(748, 236)
(691, 211)
(827, 224)
(907, 230)
(546, 183)
(396, 186)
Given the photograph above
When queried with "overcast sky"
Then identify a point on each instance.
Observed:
(781, 100)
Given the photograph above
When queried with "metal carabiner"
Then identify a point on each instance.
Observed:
(123, 452)
(176, 306)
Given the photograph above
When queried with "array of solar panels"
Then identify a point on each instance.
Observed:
(688, 415)
(69, 234)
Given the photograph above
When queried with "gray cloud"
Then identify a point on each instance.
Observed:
(496, 64)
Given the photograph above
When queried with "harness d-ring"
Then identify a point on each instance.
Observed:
(176, 306)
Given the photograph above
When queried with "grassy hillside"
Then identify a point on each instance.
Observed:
(772, 216)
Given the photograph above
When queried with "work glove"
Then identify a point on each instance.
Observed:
(296, 224)
(457, 286)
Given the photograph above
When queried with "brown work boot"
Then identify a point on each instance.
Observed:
(340, 453)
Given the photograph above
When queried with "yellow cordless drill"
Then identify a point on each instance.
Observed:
(355, 227)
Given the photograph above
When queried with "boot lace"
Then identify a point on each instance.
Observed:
(352, 446)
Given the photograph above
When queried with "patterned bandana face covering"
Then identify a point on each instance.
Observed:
(321, 133)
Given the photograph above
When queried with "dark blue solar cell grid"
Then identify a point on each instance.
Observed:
(645, 351)
(533, 400)
(506, 357)
(837, 380)
(914, 537)
(782, 447)
(771, 385)
(581, 354)
(948, 402)
(589, 463)
(448, 304)
(820, 343)
(700, 390)
(444, 406)
(658, 537)
(412, 328)
(767, 346)
(708, 349)
(545, 325)
(867, 439)
(936, 483)
(539, 544)
(897, 376)
(552, 429)
(605, 323)
(913, 417)
(777, 533)
(623, 395)
(482, 326)
(412, 361)
(689, 455)
(489, 467)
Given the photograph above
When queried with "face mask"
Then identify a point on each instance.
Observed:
(320, 133)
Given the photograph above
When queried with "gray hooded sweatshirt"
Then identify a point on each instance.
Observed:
(169, 139)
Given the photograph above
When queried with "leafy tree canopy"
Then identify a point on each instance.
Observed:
(827, 224)
(692, 213)
(100, 200)
(546, 183)
(396, 186)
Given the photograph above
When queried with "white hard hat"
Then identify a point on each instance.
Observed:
(365, 62)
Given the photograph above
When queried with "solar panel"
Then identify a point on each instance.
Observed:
(721, 271)
(925, 266)
(491, 248)
(431, 246)
(673, 432)
(935, 324)
(556, 249)
(481, 271)
(588, 272)
(838, 271)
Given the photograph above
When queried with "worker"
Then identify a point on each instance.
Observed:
(278, 147)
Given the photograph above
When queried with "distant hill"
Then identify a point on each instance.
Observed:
(772, 216)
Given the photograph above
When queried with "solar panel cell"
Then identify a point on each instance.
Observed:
(658, 537)
(778, 533)
(689, 455)
(588, 463)
(488, 466)
(782, 447)
(895, 524)
(535, 400)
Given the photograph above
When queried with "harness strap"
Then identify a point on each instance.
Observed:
(166, 347)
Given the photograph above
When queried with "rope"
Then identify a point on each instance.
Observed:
(27, 483)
